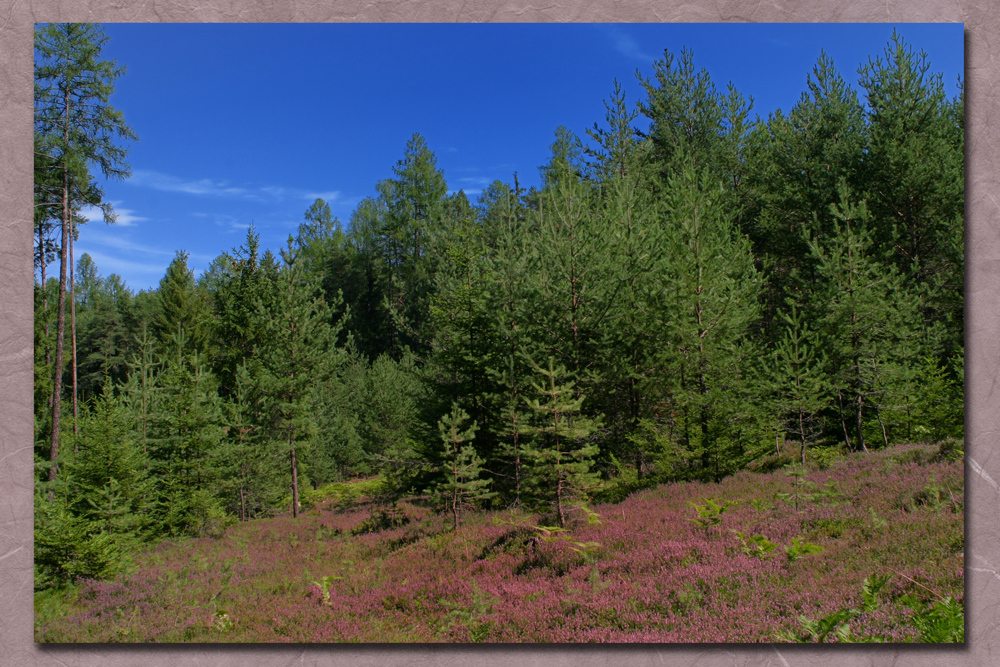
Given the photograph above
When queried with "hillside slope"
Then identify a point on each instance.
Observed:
(786, 549)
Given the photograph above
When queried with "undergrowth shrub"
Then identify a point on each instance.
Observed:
(936, 621)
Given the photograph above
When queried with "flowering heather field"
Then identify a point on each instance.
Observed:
(788, 546)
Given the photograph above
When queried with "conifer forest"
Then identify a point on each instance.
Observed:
(744, 333)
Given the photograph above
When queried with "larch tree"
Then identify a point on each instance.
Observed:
(76, 129)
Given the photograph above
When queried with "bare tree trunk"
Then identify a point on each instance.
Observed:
(802, 434)
(843, 422)
(72, 320)
(295, 475)
(861, 435)
(60, 331)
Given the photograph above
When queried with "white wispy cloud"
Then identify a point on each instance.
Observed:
(470, 193)
(107, 264)
(125, 216)
(222, 188)
(626, 45)
(168, 183)
(475, 180)
(328, 197)
(125, 249)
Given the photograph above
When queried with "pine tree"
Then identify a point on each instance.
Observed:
(685, 114)
(705, 299)
(868, 315)
(800, 380)
(461, 316)
(505, 226)
(461, 486)
(915, 185)
(561, 457)
(627, 208)
(568, 287)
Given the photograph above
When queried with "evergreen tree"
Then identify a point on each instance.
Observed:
(140, 392)
(250, 470)
(413, 210)
(561, 457)
(300, 355)
(868, 315)
(684, 113)
(110, 469)
(705, 299)
(461, 486)
(94, 517)
(568, 274)
(184, 445)
(915, 180)
(182, 307)
(506, 228)
(800, 380)
(461, 315)
(388, 414)
(247, 289)
(632, 237)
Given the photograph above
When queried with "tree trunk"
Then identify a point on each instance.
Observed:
(72, 326)
(802, 435)
(295, 475)
(60, 331)
(843, 421)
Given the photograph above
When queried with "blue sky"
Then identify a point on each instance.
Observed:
(248, 124)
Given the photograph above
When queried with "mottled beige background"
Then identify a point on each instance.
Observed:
(982, 43)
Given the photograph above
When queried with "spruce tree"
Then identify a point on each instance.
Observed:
(299, 355)
(185, 436)
(183, 307)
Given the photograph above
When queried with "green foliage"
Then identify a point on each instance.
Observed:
(561, 458)
(696, 285)
(938, 621)
(461, 486)
(941, 621)
(710, 514)
(755, 546)
(799, 548)
(182, 309)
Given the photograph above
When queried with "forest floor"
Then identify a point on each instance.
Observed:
(785, 560)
